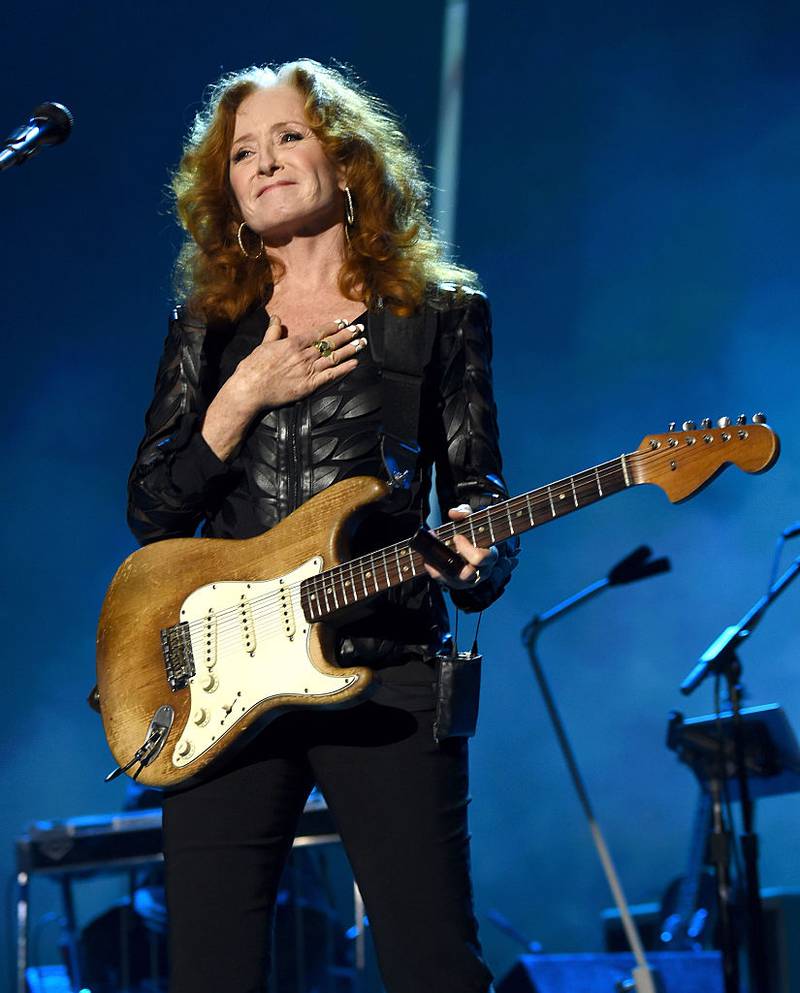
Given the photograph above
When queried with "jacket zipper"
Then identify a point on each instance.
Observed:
(294, 460)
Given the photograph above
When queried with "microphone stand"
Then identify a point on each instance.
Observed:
(721, 659)
(635, 566)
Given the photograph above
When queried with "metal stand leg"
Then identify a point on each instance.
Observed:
(361, 938)
(23, 886)
(720, 858)
(71, 933)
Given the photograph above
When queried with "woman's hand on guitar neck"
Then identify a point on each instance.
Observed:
(280, 370)
(480, 561)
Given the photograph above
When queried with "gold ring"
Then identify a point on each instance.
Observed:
(324, 348)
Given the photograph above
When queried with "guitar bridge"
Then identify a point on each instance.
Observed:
(176, 644)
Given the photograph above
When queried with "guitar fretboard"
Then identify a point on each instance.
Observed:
(362, 578)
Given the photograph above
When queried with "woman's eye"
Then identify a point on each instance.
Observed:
(291, 136)
(238, 156)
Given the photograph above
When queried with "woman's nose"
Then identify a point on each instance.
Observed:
(267, 161)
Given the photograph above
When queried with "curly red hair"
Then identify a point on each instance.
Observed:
(393, 253)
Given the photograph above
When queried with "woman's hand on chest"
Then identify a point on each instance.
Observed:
(281, 369)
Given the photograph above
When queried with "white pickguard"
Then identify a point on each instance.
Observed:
(249, 642)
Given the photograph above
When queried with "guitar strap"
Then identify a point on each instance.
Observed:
(402, 347)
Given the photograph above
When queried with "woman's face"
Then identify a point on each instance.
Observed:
(281, 178)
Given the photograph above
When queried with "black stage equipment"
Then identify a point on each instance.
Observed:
(122, 950)
(610, 973)
(781, 927)
(721, 660)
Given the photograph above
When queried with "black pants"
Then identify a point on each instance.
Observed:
(400, 803)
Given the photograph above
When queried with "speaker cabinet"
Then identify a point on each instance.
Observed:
(602, 972)
(781, 927)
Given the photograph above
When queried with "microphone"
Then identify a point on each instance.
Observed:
(50, 124)
(638, 565)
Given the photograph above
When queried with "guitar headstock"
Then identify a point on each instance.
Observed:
(683, 460)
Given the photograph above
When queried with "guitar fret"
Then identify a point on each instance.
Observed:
(574, 494)
(333, 590)
(325, 594)
(315, 587)
(530, 512)
(353, 582)
(508, 512)
(597, 477)
(364, 581)
(386, 569)
(346, 583)
(552, 505)
(375, 582)
(489, 521)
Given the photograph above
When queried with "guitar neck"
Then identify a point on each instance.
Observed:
(362, 578)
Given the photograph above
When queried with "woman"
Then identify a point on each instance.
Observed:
(308, 241)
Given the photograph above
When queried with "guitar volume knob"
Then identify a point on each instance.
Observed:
(185, 748)
(209, 682)
(200, 716)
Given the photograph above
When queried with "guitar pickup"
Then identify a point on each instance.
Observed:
(209, 645)
(287, 612)
(247, 624)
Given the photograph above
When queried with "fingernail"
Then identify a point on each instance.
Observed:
(357, 329)
(361, 344)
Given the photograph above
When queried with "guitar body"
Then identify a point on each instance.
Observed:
(254, 653)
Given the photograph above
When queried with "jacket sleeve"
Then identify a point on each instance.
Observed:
(468, 461)
(176, 477)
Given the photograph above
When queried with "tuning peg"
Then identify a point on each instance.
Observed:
(741, 419)
(724, 422)
(759, 418)
(688, 425)
(705, 423)
(671, 426)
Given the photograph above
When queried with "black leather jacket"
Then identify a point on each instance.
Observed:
(295, 451)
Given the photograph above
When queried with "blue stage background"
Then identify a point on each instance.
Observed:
(630, 194)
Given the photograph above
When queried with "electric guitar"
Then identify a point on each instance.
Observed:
(203, 641)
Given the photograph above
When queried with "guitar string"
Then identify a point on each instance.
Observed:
(261, 604)
(265, 603)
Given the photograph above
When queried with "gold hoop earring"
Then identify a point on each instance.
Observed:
(349, 213)
(242, 226)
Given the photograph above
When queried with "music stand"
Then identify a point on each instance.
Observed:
(764, 751)
(772, 753)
